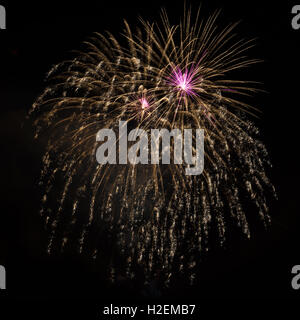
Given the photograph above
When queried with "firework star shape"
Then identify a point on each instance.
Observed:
(154, 217)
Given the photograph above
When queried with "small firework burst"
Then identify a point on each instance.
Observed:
(187, 82)
(153, 216)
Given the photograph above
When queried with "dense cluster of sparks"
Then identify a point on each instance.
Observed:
(152, 217)
(186, 81)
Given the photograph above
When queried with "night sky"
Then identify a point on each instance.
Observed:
(41, 34)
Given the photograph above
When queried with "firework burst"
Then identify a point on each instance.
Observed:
(154, 216)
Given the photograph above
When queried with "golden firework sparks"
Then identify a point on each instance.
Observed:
(165, 77)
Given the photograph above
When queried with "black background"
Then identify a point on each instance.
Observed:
(41, 34)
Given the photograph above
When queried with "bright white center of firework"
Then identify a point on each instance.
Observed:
(183, 86)
(183, 83)
(144, 103)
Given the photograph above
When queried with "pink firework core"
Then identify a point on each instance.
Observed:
(185, 81)
(144, 103)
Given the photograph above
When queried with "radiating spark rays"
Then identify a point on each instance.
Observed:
(187, 81)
